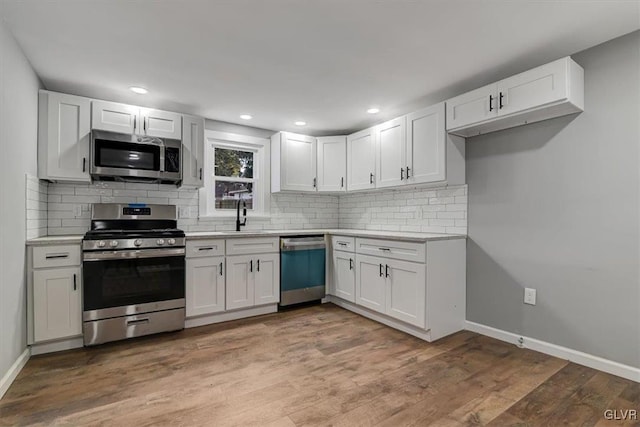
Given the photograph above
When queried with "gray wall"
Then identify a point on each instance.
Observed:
(18, 155)
(554, 206)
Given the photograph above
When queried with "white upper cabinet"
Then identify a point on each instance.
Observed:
(293, 162)
(192, 151)
(361, 160)
(472, 107)
(391, 153)
(426, 145)
(64, 134)
(129, 119)
(551, 90)
(115, 117)
(332, 163)
(161, 124)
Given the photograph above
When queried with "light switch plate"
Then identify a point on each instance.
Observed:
(530, 296)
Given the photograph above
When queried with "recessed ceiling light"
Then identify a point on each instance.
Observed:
(246, 116)
(300, 123)
(373, 110)
(139, 90)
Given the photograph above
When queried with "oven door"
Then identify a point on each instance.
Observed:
(126, 282)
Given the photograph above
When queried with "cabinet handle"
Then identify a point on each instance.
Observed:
(342, 182)
(55, 256)
(200, 174)
(342, 243)
(221, 268)
(490, 102)
(350, 264)
(84, 164)
(137, 322)
(408, 169)
(135, 123)
(381, 273)
(501, 96)
(251, 266)
(75, 282)
(401, 174)
(258, 265)
(144, 124)
(370, 178)
(386, 270)
(384, 249)
(205, 249)
(314, 182)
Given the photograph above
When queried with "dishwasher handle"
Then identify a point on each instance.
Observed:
(302, 243)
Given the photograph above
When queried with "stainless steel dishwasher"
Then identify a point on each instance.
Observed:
(302, 269)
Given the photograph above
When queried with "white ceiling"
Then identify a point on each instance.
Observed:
(323, 61)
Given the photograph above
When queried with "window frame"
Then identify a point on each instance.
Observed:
(261, 174)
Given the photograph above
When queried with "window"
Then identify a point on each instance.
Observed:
(236, 170)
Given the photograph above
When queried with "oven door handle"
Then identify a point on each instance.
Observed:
(133, 254)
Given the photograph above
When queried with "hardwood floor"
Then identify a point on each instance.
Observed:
(319, 365)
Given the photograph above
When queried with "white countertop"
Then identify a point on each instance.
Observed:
(388, 235)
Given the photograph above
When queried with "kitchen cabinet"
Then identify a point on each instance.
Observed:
(192, 151)
(54, 293)
(293, 162)
(405, 291)
(205, 285)
(129, 119)
(361, 160)
(551, 90)
(391, 153)
(267, 279)
(344, 275)
(426, 146)
(332, 163)
(370, 283)
(64, 136)
(252, 280)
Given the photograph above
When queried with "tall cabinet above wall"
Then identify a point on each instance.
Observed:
(64, 134)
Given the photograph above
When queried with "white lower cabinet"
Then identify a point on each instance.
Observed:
(240, 283)
(267, 279)
(344, 275)
(370, 283)
(406, 291)
(205, 285)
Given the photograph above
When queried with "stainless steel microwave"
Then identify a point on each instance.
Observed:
(122, 157)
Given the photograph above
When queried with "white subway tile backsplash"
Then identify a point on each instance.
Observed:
(35, 207)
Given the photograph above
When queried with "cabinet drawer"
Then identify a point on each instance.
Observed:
(342, 243)
(56, 256)
(407, 251)
(204, 248)
(253, 245)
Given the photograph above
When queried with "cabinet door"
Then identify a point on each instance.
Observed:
(472, 107)
(332, 163)
(344, 275)
(192, 151)
(115, 117)
(361, 160)
(426, 145)
(391, 159)
(298, 162)
(406, 291)
(57, 303)
(161, 124)
(205, 285)
(267, 278)
(533, 88)
(240, 282)
(370, 282)
(65, 135)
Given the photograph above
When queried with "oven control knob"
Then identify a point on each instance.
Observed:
(137, 242)
(102, 244)
(160, 241)
(171, 241)
(113, 243)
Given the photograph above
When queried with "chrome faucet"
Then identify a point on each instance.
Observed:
(244, 214)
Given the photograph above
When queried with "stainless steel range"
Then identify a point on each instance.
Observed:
(133, 272)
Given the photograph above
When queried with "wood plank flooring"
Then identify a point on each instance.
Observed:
(318, 365)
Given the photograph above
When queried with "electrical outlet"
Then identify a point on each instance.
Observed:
(530, 296)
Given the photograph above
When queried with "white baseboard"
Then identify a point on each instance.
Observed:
(589, 360)
(13, 371)
(226, 316)
(51, 347)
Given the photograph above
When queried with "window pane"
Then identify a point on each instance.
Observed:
(228, 193)
(233, 163)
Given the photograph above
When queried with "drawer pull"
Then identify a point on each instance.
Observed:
(342, 244)
(385, 249)
(57, 256)
(205, 249)
(137, 322)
